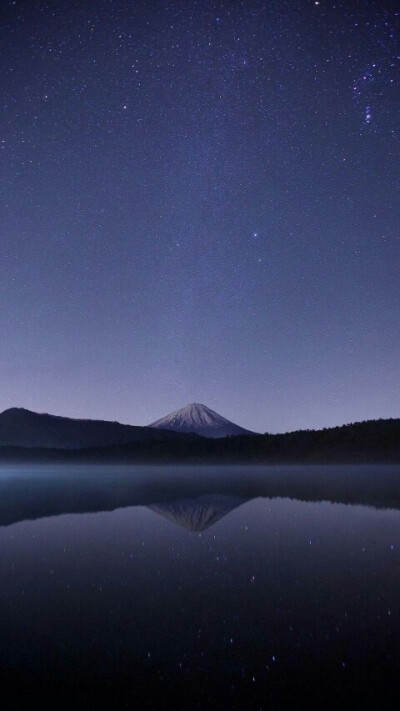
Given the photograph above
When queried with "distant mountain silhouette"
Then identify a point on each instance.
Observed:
(28, 437)
(23, 428)
(201, 420)
(200, 513)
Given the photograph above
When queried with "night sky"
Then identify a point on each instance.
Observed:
(200, 202)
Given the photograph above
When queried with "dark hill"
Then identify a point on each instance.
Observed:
(23, 428)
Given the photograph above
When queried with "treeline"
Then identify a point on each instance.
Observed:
(370, 441)
(373, 440)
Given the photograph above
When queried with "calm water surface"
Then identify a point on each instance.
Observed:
(196, 589)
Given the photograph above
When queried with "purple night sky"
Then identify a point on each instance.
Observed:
(200, 202)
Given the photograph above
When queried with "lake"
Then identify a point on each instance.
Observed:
(200, 587)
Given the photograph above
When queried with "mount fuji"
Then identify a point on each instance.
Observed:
(201, 420)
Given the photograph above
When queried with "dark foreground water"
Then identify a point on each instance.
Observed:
(200, 588)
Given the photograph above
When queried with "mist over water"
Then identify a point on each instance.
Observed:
(45, 490)
(200, 587)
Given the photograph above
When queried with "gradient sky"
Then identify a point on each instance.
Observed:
(200, 202)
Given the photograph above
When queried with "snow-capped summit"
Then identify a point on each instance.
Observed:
(201, 420)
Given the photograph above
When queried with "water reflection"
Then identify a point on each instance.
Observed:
(48, 491)
(197, 514)
(169, 590)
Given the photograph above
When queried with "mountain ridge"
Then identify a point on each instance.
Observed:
(27, 436)
(20, 427)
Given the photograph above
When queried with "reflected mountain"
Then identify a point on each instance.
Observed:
(197, 514)
(192, 497)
